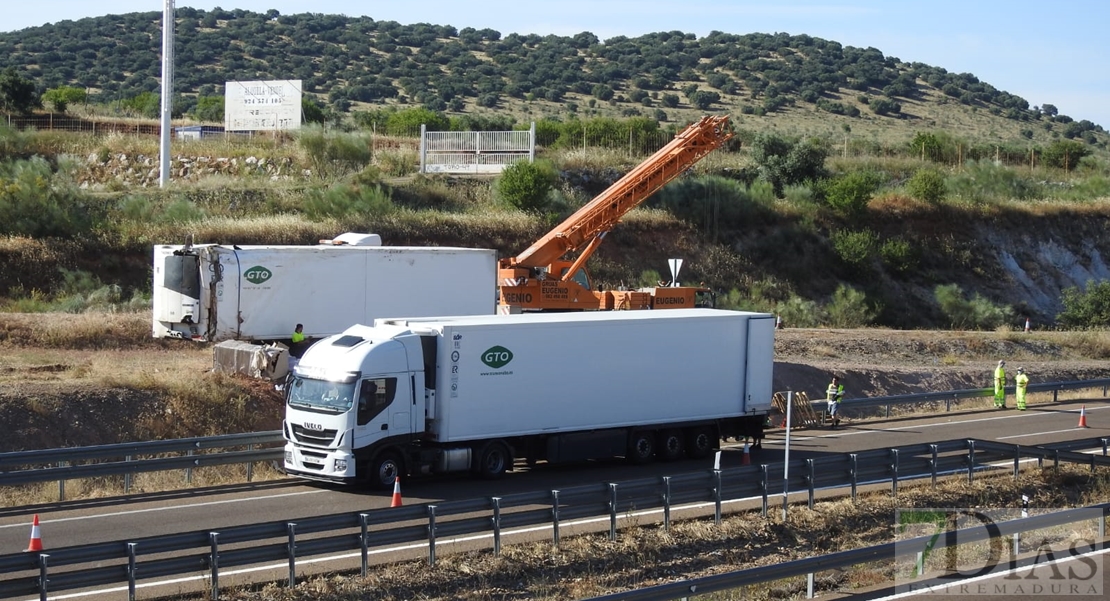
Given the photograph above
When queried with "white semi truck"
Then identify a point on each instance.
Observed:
(474, 393)
(214, 292)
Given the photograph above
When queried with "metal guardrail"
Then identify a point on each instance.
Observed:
(207, 552)
(844, 559)
(48, 465)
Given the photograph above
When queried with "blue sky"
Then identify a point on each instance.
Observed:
(1045, 52)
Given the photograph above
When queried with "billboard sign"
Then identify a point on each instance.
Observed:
(262, 105)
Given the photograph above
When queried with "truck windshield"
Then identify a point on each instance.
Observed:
(321, 395)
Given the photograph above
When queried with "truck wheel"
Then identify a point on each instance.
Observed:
(493, 460)
(671, 445)
(700, 443)
(384, 471)
(641, 447)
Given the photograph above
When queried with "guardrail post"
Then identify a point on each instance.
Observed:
(62, 483)
(970, 461)
(44, 580)
(948, 403)
(612, 511)
(214, 564)
(888, 410)
(933, 463)
(127, 479)
(131, 551)
(853, 472)
(189, 470)
(364, 542)
(1104, 445)
(250, 465)
(809, 585)
(291, 528)
(894, 470)
(810, 477)
(1056, 459)
(1102, 527)
(717, 497)
(1055, 395)
(1017, 460)
(431, 535)
(555, 518)
(496, 519)
(667, 503)
(763, 486)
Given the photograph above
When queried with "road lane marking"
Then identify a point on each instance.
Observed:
(1036, 434)
(172, 507)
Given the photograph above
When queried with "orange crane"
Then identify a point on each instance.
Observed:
(544, 277)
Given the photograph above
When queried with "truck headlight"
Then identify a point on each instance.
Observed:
(340, 465)
(289, 457)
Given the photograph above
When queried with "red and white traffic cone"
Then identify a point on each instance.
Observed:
(36, 536)
(396, 493)
(1083, 417)
(747, 455)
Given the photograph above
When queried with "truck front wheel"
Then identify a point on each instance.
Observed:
(641, 447)
(493, 460)
(384, 470)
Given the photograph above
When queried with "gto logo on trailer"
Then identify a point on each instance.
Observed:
(257, 274)
(497, 357)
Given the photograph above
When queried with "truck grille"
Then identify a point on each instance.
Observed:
(317, 437)
(313, 461)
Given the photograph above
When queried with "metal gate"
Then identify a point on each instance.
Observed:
(474, 152)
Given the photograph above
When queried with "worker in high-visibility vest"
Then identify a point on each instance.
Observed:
(833, 395)
(1021, 383)
(1000, 385)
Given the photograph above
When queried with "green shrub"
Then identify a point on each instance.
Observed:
(797, 312)
(343, 200)
(1089, 309)
(526, 185)
(849, 194)
(783, 161)
(334, 154)
(898, 255)
(927, 185)
(1064, 154)
(849, 309)
(983, 181)
(37, 202)
(854, 248)
(977, 313)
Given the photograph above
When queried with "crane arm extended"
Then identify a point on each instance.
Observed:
(603, 212)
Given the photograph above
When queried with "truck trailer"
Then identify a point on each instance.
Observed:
(429, 395)
(214, 292)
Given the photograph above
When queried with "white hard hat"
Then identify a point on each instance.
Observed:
(1002, 363)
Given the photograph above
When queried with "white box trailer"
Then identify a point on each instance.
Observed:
(216, 292)
(441, 394)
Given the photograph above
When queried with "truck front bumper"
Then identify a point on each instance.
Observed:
(328, 465)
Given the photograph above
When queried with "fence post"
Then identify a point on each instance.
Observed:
(555, 518)
(717, 497)
(667, 503)
(363, 542)
(933, 463)
(810, 478)
(970, 461)
(214, 564)
(131, 551)
(496, 519)
(854, 473)
(44, 579)
(291, 528)
(62, 482)
(894, 469)
(431, 535)
(612, 511)
(763, 486)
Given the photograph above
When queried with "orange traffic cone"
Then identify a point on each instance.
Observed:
(747, 455)
(1083, 417)
(36, 536)
(396, 493)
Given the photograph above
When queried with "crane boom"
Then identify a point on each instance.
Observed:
(540, 277)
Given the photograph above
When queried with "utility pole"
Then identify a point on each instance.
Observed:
(167, 92)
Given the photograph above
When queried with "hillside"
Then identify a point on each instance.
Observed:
(800, 83)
